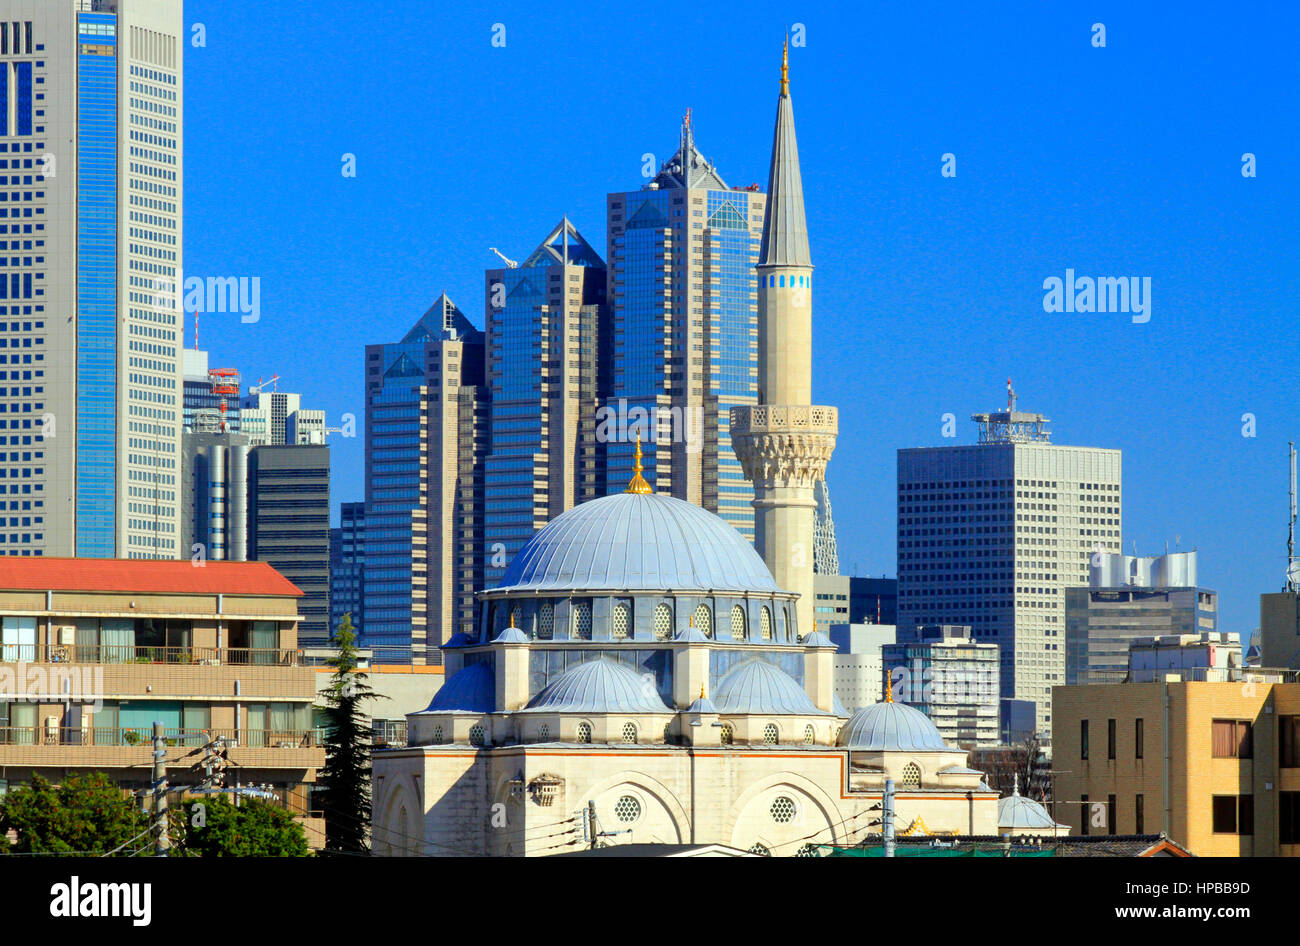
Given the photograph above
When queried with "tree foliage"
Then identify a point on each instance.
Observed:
(85, 814)
(213, 827)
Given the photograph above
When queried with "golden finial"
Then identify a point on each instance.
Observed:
(638, 484)
(701, 691)
(785, 67)
(889, 688)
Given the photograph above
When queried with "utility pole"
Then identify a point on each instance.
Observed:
(162, 841)
(591, 820)
(887, 817)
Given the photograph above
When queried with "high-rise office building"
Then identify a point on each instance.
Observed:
(347, 566)
(546, 375)
(847, 599)
(90, 111)
(684, 317)
(991, 534)
(424, 434)
(784, 442)
(952, 679)
(1128, 599)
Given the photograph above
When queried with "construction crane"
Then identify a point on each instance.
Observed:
(270, 382)
(510, 264)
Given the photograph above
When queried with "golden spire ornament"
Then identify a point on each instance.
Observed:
(638, 484)
(785, 67)
(889, 687)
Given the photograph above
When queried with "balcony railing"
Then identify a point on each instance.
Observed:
(143, 736)
(131, 654)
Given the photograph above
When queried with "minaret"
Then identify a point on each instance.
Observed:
(785, 442)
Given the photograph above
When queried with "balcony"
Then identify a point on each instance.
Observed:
(131, 654)
(172, 738)
(109, 748)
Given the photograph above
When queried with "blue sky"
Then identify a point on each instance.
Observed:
(1116, 161)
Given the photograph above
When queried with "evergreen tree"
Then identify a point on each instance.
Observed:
(85, 814)
(213, 827)
(345, 779)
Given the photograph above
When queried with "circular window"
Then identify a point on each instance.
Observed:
(622, 625)
(728, 735)
(783, 810)
(809, 736)
(765, 624)
(544, 733)
(582, 621)
(770, 734)
(702, 620)
(627, 809)
(546, 621)
(584, 732)
(629, 733)
(737, 624)
(911, 775)
(760, 849)
(476, 735)
(663, 619)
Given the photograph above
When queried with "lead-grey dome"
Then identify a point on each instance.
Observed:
(891, 727)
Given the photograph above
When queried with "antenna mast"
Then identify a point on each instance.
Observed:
(1292, 572)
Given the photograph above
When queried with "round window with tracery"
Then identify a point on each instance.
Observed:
(622, 622)
(760, 849)
(627, 809)
(663, 622)
(783, 810)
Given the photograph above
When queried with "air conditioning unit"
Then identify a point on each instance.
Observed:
(68, 634)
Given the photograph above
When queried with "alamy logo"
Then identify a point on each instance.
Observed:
(242, 294)
(1130, 294)
(96, 900)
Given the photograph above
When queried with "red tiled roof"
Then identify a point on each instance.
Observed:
(37, 573)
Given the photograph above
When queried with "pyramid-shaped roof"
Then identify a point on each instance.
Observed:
(687, 167)
(564, 244)
(443, 320)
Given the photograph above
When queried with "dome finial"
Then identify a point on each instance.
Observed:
(1015, 789)
(638, 483)
(889, 687)
(785, 67)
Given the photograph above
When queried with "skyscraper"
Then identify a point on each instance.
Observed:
(785, 442)
(90, 110)
(423, 436)
(546, 376)
(684, 318)
(991, 534)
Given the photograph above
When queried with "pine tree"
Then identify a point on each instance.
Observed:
(345, 779)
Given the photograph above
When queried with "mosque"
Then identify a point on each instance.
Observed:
(639, 676)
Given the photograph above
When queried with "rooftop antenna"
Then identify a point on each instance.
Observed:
(1292, 566)
(1011, 397)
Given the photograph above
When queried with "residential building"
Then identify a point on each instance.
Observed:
(859, 666)
(990, 535)
(1210, 655)
(1128, 598)
(105, 648)
(90, 135)
(951, 678)
(1214, 766)
(547, 369)
(1279, 630)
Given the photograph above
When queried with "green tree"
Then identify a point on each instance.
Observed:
(85, 814)
(345, 779)
(213, 827)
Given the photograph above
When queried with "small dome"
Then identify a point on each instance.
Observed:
(757, 687)
(472, 690)
(1016, 812)
(598, 686)
(638, 541)
(511, 635)
(889, 727)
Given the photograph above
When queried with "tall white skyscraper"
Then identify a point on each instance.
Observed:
(991, 535)
(90, 236)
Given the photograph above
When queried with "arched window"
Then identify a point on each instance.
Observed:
(621, 628)
(584, 732)
(737, 623)
(789, 625)
(770, 735)
(702, 620)
(582, 621)
(911, 775)
(477, 736)
(544, 733)
(668, 733)
(780, 624)
(437, 735)
(663, 619)
(629, 733)
(491, 629)
(765, 623)
(727, 735)
(809, 736)
(546, 621)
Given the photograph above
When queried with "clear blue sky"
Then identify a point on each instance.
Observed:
(1117, 161)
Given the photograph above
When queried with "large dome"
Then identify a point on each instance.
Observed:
(891, 727)
(636, 541)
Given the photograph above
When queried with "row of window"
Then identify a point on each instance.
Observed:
(1229, 739)
(661, 621)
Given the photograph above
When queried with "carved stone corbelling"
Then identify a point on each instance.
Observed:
(784, 445)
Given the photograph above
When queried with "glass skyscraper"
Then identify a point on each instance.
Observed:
(683, 301)
(90, 225)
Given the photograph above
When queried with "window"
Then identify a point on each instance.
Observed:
(1085, 812)
(627, 809)
(621, 627)
(702, 620)
(1288, 741)
(782, 809)
(477, 736)
(1083, 739)
(770, 735)
(437, 735)
(1288, 818)
(737, 623)
(911, 775)
(759, 849)
(765, 623)
(727, 736)
(584, 732)
(1231, 739)
(1233, 814)
(544, 733)
(1139, 736)
(546, 621)
(582, 621)
(1139, 815)
(1112, 809)
(809, 736)
(663, 620)
(1110, 739)
(629, 733)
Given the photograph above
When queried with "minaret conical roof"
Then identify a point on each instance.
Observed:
(785, 231)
